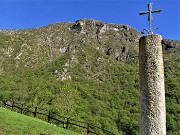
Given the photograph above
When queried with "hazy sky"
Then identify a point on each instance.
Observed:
(19, 14)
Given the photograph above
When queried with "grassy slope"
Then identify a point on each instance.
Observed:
(12, 123)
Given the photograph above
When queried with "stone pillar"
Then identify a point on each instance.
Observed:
(152, 91)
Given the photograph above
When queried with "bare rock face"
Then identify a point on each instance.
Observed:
(118, 41)
(62, 74)
(168, 44)
(83, 26)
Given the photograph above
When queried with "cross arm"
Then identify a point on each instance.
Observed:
(155, 11)
(143, 12)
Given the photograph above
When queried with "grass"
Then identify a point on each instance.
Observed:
(12, 123)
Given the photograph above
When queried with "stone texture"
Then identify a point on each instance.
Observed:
(152, 91)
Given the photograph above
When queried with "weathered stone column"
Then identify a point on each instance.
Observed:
(152, 91)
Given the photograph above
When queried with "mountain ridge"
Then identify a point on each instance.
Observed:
(78, 25)
(86, 70)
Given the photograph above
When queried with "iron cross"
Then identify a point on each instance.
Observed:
(150, 18)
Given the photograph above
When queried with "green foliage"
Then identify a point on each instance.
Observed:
(172, 68)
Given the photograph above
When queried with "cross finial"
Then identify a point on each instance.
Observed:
(150, 18)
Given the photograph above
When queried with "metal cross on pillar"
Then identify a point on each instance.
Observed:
(150, 18)
(151, 80)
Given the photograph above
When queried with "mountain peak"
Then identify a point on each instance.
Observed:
(89, 24)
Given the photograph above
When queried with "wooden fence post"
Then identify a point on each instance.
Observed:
(67, 123)
(49, 116)
(4, 103)
(35, 111)
(22, 108)
(12, 106)
(88, 130)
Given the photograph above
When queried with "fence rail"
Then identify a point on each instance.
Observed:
(66, 122)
